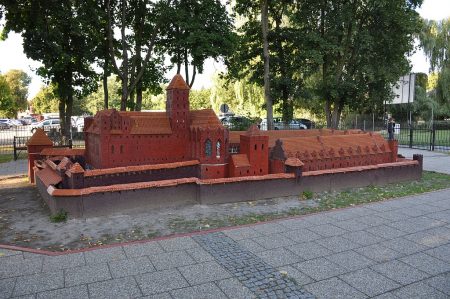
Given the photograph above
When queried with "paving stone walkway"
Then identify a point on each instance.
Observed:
(394, 249)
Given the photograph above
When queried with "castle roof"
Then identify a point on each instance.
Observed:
(240, 160)
(204, 118)
(177, 83)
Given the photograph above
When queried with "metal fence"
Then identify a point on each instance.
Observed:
(13, 140)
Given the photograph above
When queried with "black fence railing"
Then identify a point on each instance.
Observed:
(13, 140)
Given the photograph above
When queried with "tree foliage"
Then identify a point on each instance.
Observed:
(18, 82)
(197, 30)
(435, 40)
(6, 98)
(46, 100)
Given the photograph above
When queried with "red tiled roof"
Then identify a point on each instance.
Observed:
(39, 138)
(62, 152)
(76, 168)
(104, 171)
(205, 118)
(150, 123)
(240, 160)
(253, 131)
(177, 83)
(65, 162)
(48, 176)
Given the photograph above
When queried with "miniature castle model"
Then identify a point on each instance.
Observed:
(188, 156)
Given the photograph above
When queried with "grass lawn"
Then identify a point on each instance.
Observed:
(10, 157)
(431, 181)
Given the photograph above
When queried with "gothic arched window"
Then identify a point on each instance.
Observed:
(218, 145)
(208, 148)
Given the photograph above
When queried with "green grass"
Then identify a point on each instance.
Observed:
(10, 157)
(61, 216)
(325, 201)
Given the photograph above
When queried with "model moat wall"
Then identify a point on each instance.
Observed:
(90, 202)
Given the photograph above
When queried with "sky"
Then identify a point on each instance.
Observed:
(12, 56)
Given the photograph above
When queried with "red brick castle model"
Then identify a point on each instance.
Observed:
(116, 138)
(145, 160)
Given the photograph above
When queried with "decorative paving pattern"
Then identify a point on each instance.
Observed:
(261, 278)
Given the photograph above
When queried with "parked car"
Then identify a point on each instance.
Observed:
(16, 123)
(307, 122)
(278, 124)
(27, 120)
(236, 123)
(47, 125)
(4, 124)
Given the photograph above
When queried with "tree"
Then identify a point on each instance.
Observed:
(46, 100)
(363, 47)
(18, 82)
(198, 30)
(62, 35)
(435, 40)
(140, 23)
(6, 98)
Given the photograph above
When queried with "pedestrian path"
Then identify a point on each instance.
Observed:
(13, 168)
(432, 161)
(394, 249)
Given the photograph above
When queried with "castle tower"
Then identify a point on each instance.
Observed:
(256, 147)
(177, 103)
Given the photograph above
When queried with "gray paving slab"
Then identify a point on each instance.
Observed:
(142, 249)
(301, 235)
(158, 296)
(318, 219)
(26, 297)
(369, 282)
(433, 161)
(203, 291)
(378, 253)
(327, 230)
(132, 266)
(404, 246)
(295, 223)
(180, 243)
(338, 243)
(350, 260)
(386, 296)
(363, 238)
(352, 224)
(426, 263)
(16, 265)
(441, 215)
(7, 287)
(441, 252)
(7, 252)
(234, 289)
(386, 232)
(309, 250)
(372, 220)
(269, 228)
(13, 168)
(31, 284)
(242, 233)
(161, 281)
(77, 292)
(172, 259)
(104, 255)
(273, 241)
(400, 272)
(393, 215)
(199, 255)
(440, 282)
(51, 263)
(416, 224)
(279, 257)
(86, 274)
(419, 290)
(320, 268)
(431, 238)
(334, 288)
(125, 287)
(204, 272)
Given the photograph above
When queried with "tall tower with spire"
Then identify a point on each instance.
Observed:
(177, 104)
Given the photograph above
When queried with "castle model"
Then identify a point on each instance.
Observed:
(151, 159)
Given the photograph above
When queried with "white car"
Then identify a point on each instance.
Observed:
(47, 125)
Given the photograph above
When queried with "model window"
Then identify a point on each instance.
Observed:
(112, 149)
(218, 149)
(208, 148)
(121, 149)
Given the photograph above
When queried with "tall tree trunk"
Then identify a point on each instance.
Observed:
(123, 101)
(69, 109)
(138, 58)
(186, 65)
(328, 112)
(105, 84)
(265, 30)
(194, 72)
(336, 115)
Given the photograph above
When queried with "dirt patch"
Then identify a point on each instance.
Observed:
(25, 220)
